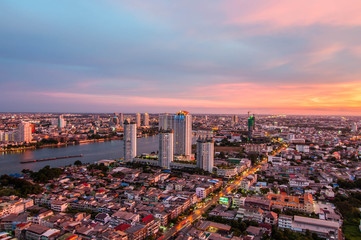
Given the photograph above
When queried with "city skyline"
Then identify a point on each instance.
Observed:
(268, 57)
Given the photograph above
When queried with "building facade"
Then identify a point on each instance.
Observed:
(165, 148)
(205, 154)
(24, 132)
(181, 124)
(130, 141)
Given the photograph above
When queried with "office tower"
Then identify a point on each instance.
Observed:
(234, 119)
(251, 126)
(137, 119)
(130, 140)
(181, 123)
(121, 119)
(354, 127)
(61, 122)
(165, 148)
(146, 119)
(205, 154)
(24, 132)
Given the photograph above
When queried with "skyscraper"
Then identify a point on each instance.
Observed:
(251, 126)
(137, 119)
(121, 119)
(61, 122)
(165, 121)
(165, 148)
(130, 140)
(354, 127)
(234, 119)
(205, 154)
(181, 124)
(24, 132)
(146, 119)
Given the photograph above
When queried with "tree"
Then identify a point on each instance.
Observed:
(78, 163)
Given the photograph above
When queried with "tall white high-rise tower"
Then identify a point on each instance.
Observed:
(137, 119)
(165, 148)
(130, 141)
(146, 119)
(205, 154)
(121, 119)
(61, 122)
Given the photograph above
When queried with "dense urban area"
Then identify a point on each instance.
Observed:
(214, 177)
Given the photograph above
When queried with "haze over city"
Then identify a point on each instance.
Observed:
(288, 57)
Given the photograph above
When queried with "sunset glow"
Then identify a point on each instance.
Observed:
(289, 57)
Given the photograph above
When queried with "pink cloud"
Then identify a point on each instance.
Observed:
(285, 13)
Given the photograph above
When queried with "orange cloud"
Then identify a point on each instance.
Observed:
(299, 98)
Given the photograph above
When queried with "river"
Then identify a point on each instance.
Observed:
(92, 152)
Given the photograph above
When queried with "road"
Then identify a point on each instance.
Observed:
(227, 189)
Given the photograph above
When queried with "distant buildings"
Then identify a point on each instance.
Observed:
(121, 119)
(137, 119)
(146, 119)
(165, 148)
(24, 132)
(61, 122)
(354, 127)
(251, 126)
(115, 120)
(234, 119)
(130, 140)
(205, 154)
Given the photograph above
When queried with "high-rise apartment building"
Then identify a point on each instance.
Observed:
(165, 148)
(354, 127)
(61, 122)
(137, 119)
(205, 154)
(24, 132)
(234, 119)
(251, 126)
(121, 119)
(130, 140)
(181, 124)
(165, 121)
(146, 119)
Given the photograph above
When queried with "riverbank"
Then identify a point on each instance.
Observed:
(55, 145)
(92, 150)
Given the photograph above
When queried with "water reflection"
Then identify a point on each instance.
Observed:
(10, 162)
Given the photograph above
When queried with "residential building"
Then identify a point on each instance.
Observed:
(165, 148)
(146, 119)
(24, 132)
(137, 119)
(130, 140)
(181, 123)
(205, 154)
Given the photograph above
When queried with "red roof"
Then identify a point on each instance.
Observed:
(71, 237)
(148, 219)
(122, 227)
(21, 225)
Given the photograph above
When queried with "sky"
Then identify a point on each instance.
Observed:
(204, 56)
